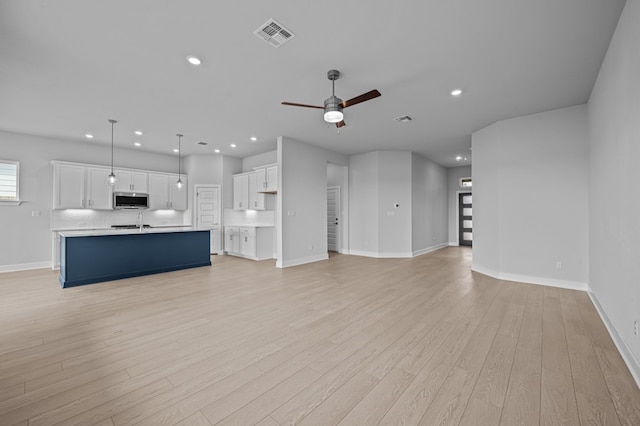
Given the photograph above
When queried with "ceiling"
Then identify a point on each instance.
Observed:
(67, 66)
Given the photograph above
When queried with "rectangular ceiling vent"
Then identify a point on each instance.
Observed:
(203, 143)
(403, 119)
(274, 33)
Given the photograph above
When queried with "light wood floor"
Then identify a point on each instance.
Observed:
(349, 341)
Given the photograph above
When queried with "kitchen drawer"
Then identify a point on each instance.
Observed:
(246, 230)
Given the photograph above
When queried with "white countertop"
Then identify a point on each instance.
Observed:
(249, 226)
(98, 232)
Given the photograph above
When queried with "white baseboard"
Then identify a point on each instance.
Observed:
(301, 261)
(550, 282)
(398, 255)
(485, 271)
(379, 255)
(429, 249)
(453, 243)
(632, 363)
(25, 266)
(528, 279)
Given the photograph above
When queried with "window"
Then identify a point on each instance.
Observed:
(465, 182)
(9, 174)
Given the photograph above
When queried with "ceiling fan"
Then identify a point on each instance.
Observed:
(333, 105)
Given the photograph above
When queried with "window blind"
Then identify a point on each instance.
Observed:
(8, 181)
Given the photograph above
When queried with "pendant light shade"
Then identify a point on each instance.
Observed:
(112, 176)
(179, 182)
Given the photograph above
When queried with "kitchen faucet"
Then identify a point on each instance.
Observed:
(140, 220)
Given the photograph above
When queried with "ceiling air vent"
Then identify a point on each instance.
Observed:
(202, 143)
(403, 119)
(274, 33)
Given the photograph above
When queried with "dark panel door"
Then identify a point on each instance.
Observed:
(465, 222)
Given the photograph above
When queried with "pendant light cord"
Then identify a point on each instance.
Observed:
(112, 123)
(179, 153)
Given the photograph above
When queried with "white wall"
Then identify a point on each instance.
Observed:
(363, 211)
(614, 127)
(248, 163)
(230, 167)
(453, 178)
(301, 211)
(429, 220)
(530, 198)
(380, 180)
(30, 237)
(394, 187)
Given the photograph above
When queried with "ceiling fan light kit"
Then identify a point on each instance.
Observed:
(333, 105)
(333, 110)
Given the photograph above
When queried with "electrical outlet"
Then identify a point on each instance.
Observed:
(635, 328)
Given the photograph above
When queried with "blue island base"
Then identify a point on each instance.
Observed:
(97, 258)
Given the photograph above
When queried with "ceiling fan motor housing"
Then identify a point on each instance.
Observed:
(333, 110)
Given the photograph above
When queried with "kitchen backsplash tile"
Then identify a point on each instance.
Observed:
(249, 217)
(97, 219)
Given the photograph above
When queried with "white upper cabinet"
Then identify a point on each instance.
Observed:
(158, 191)
(85, 186)
(267, 178)
(164, 194)
(256, 199)
(80, 187)
(68, 186)
(271, 184)
(241, 191)
(132, 181)
(177, 197)
(98, 191)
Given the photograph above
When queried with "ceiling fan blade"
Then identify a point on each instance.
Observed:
(358, 99)
(302, 105)
(341, 124)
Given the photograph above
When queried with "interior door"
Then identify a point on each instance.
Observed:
(333, 218)
(207, 212)
(465, 219)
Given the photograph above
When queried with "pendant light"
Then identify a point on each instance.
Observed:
(179, 182)
(112, 176)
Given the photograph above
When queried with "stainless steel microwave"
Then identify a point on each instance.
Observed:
(130, 200)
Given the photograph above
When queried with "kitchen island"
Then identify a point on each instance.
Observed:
(88, 257)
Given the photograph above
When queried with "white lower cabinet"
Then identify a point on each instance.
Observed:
(254, 243)
(231, 240)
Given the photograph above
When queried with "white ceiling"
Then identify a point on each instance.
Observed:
(66, 66)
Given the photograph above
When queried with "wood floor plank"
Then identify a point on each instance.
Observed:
(558, 399)
(376, 403)
(197, 419)
(350, 340)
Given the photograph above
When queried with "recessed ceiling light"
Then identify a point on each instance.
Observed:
(193, 60)
(253, 138)
(233, 145)
(216, 150)
(176, 150)
(138, 132)
(88, 136)
(137, 144)
(456, 92)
